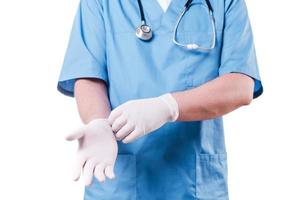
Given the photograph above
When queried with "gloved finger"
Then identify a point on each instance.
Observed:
(78, 168)
(124, 131)
(114, 115)
(99, 172)
(88, 172)
(109, 171)
(119, 123)
(75, 135)
(132, 136)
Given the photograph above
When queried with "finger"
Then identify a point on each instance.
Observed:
(124, 131)
(132, 136)
(88, 172)
(99, 173)
(75, 135)
(119, 123)
(109, 172)
(78, 168)
(114, 115)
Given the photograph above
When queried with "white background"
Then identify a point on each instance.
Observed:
(263, 140)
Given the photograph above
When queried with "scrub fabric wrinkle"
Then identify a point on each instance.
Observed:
(181, 160)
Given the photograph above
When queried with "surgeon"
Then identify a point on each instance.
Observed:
(152, 80)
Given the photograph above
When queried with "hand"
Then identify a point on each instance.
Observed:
(136, 118)
(97, 151)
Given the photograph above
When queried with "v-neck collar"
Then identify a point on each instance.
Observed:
(157, 18)
(164, 4)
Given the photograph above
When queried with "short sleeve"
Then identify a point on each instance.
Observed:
(86, 52)
(238, 51)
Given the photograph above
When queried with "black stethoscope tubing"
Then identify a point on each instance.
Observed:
(187, 4)
(144, 32)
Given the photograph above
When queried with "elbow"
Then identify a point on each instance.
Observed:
(246, 90)
(245, 101)
(246, 98)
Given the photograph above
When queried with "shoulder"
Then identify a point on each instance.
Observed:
(92, 5)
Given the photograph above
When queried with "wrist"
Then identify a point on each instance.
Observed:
(172, 105)
(93, 118)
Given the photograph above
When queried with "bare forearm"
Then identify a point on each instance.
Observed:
(92, 100)
(215, 98)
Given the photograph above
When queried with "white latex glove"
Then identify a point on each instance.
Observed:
(97, 151)
(136, 118)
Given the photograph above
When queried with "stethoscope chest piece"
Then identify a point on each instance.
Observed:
(144, 32)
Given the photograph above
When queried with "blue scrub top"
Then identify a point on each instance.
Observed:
(181, 160)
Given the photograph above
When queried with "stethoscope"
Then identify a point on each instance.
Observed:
(144, 32)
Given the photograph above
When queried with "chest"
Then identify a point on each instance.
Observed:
(144, 65)
(123, 16)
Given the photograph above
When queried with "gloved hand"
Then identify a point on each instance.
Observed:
(97, 151)
(136, 118)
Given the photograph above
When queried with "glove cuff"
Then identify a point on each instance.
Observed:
(172, 104)
(98, 120)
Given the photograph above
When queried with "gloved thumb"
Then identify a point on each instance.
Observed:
(75, 135)
(109, 172)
